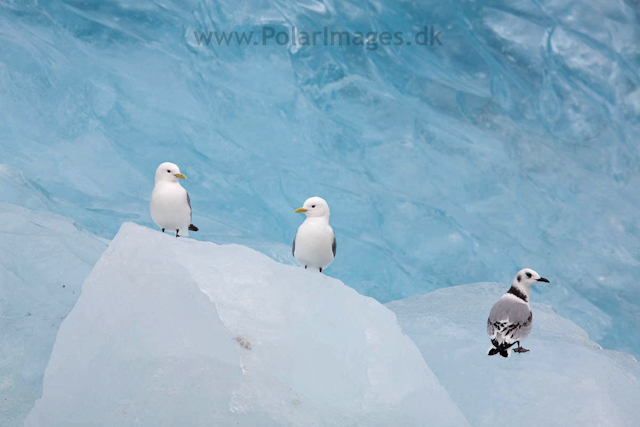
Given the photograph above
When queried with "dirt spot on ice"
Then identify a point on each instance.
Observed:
(243, 343)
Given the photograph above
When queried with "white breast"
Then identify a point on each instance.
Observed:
(169, 207)
(314, 241)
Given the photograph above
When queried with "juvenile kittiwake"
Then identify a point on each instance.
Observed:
(170, 203)
(511, 319)
(314, 245)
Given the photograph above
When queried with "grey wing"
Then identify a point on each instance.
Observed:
(491, 329)
(512, 319)
(189, 203)
(293, 246)
(333, 246)
(519, 331)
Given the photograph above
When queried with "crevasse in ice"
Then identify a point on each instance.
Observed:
(179, 332)
(514, 144)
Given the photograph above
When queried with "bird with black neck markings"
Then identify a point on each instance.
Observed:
(511, 319)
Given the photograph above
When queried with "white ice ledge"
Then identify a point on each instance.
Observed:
(179, 332)
(566, 379)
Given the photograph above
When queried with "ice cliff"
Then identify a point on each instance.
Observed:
(514, 144)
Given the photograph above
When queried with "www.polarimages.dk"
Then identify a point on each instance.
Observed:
(295, 37)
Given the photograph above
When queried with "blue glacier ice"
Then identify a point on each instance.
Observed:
(514, 144)
(44, 259)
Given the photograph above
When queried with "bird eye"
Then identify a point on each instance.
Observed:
(529, 275)
(518, 278)
(168, 171)
(313, 206)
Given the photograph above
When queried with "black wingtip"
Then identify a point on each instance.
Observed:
(193, 227)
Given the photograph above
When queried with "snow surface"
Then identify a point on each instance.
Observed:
(514, 144)
(44, 258)
(179, 332)
(565, 380)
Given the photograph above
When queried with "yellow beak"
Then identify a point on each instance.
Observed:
(179, 175)
(299, 210)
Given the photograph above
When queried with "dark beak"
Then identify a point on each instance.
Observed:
(542, 279)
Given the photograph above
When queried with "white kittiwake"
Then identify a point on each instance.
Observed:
(314, 245)
(170, 203)
(511, 319)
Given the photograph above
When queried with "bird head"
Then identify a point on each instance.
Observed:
(315, 207)
(168, 172)
(527, 278)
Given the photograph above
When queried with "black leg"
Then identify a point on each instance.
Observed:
(520, 349)
(163, 230)
(320, 269)
(177, 235)
(305, 267)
